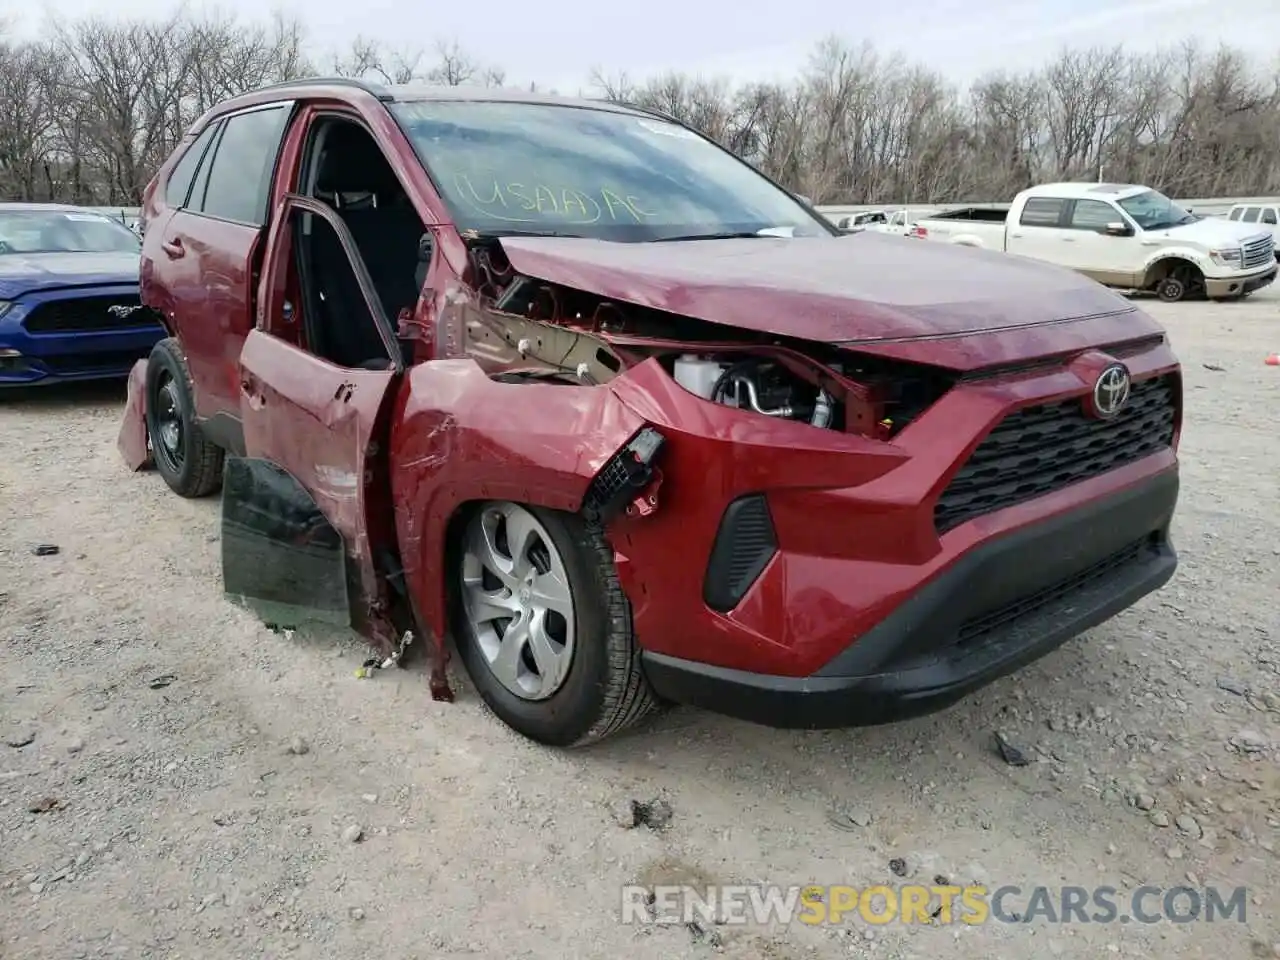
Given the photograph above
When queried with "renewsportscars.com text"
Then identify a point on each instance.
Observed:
(926, 904)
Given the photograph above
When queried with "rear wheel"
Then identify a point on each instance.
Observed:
(543, 626)
(189, 463)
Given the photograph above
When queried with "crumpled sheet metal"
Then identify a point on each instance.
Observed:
(132, 441)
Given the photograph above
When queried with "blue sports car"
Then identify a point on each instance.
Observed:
(69, 307)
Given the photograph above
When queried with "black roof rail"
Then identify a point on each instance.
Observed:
(640, 108)
(373, 89)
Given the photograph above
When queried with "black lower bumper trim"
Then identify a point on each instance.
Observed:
(1001, 606)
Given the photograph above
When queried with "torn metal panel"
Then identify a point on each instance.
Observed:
(132, 440)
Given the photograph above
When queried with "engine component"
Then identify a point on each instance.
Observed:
(755, 383)
(696, 375)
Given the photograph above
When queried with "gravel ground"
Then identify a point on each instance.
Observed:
(214, 816)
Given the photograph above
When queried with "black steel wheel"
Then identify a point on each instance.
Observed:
(189, 463)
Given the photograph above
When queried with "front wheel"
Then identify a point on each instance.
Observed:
(1184, 280)
(543, 627)
(189, 463)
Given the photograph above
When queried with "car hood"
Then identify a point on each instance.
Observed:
(1212, 232)
(27, 272)
(859, 288)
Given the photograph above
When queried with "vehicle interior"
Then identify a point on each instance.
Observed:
(345, 169)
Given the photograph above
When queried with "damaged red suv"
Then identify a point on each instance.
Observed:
(566, 381)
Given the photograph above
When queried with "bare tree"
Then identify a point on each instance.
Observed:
(94, 106)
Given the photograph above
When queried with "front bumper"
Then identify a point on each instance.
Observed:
(1005, 603)
(1236, 286)
(47, 357)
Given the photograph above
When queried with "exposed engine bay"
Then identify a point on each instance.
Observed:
(524, 328)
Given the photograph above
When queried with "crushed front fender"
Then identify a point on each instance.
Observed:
(461, 436)
(132, 441)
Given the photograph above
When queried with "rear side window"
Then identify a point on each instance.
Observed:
(1042, 212)
(1269, 215)
(1250, 215)
(239, 180)
(178, 187)
(1235, 213)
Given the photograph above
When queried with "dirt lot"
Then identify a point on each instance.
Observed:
(186, 827)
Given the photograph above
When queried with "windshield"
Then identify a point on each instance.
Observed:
(63, 231)
(1154, 211)
(553, 169)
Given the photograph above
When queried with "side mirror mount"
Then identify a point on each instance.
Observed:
(803, 199)
(1118, 229)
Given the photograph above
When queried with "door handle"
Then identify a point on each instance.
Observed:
(1015, 234)
(1067, 239)
(173, 248)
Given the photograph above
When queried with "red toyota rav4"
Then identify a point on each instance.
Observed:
(567, 381)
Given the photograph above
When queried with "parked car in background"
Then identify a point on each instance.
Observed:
(897, 223)
(1122, 235)
(571, 384)
(856, 222)
(1265, 215)
(69, 305)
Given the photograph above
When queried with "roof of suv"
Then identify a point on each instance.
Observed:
(345, 88)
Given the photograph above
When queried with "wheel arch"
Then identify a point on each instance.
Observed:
(1163, 265)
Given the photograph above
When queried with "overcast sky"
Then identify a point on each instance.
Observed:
(557, 42)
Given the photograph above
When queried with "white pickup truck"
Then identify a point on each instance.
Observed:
(897, 223)
(1125, 236)
(1265, 215)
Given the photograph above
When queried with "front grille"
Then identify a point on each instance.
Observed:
(977, 629)
(98, 360)
(1259, 252)
(744, 545)
(1038, 450)
(85, 313)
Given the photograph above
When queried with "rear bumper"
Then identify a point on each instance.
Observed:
(1003, 604)
(1234, 286)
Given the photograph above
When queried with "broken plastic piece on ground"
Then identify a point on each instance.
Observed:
(162, 681)
(1009, 753)
(46, 549)
(366, 669)
(654, 814)
(45, 805)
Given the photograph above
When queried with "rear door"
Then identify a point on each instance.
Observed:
(212, 247)
(1038, 233)
(305, 510)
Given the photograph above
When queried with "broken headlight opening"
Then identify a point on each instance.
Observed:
(624, 477)
(755, 383)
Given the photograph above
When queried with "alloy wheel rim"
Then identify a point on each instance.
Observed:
(515, 592)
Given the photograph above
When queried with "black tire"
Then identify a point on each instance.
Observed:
(1183, 281)
(605, 690)
(1171, 289)
(194, 469)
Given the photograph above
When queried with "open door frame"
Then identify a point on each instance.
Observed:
(310, 489)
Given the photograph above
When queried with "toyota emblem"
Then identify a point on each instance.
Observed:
(1111, 391)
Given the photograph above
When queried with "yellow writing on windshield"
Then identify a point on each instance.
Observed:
(530, 202)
